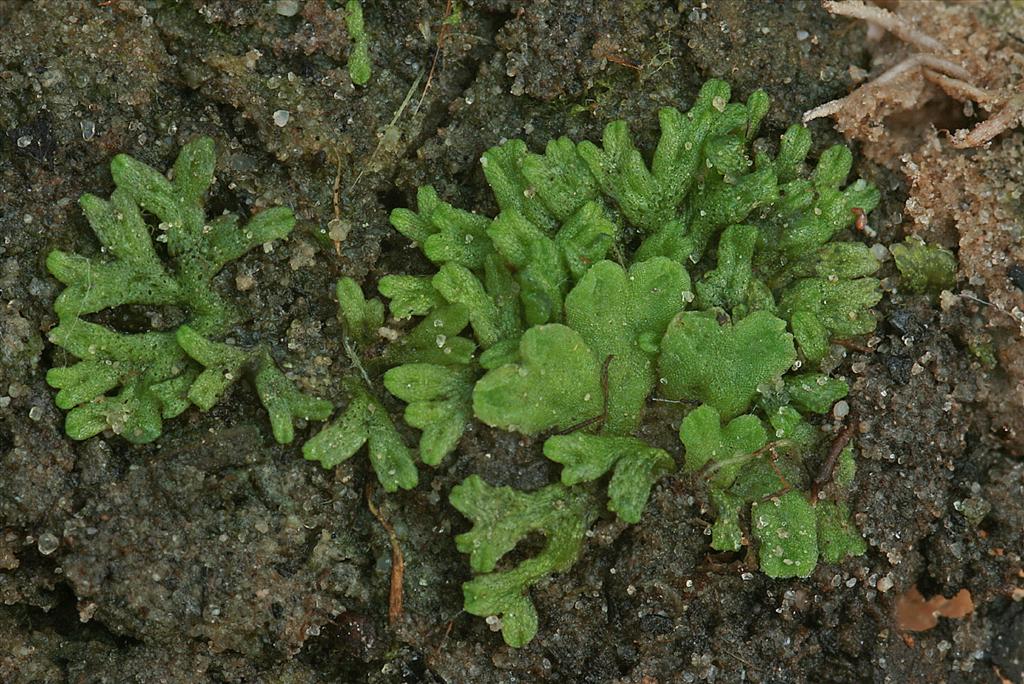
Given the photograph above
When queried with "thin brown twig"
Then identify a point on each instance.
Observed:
(952, 78)
(786, 486)
(711, 467)
(625, 61)
(397, 561)
(444, 638)
(854, 346)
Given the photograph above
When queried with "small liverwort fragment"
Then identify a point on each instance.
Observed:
(359, 55)
(585, 238)
(622, 317)
(410, 295)
(502, 517)
(554, 383)
(923, 267)
(726, 534)
(815, 392)
(446, 234)
(503, 167)
(635, 466)
(724, 202)
(491, 313)
(142, 365)
(283, 402)
(362, 317)
(793, 149)
(130, 383)
(793, 431)
(435, 339)
(726, 286)
(560, 178)
(820, 309)
(222, 365)
(538, 262)
(650, 197)
(728, 448)
(365, 421)
(440, 403)
(723, 364)
(845, 260)
(786, 529)
(837, 537)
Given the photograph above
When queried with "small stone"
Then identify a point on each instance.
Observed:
(47, 543)
(841, 409)
(281, 117)
(1016, 275)
(287, 8)
(244, 281)
(51, 77)
(884, 584)
(338, 230)
(24, 141)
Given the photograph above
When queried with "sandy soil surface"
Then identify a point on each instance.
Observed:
(216, 555)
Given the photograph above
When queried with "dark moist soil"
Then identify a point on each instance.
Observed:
(216, 555)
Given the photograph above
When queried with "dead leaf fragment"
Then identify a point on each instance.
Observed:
(916, 614)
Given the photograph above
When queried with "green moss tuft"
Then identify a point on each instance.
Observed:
(158, 375)
(704, 277)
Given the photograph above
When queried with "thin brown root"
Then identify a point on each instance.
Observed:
(944, 66)
(1006, 118)
(442, 37)
(336, 199)
(836, 106)
(828, 467)
(958, 89)
(397, 562)
(893, 23)
(916, 61)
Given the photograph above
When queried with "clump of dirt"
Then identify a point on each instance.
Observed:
(968, 200)
(216, 555)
